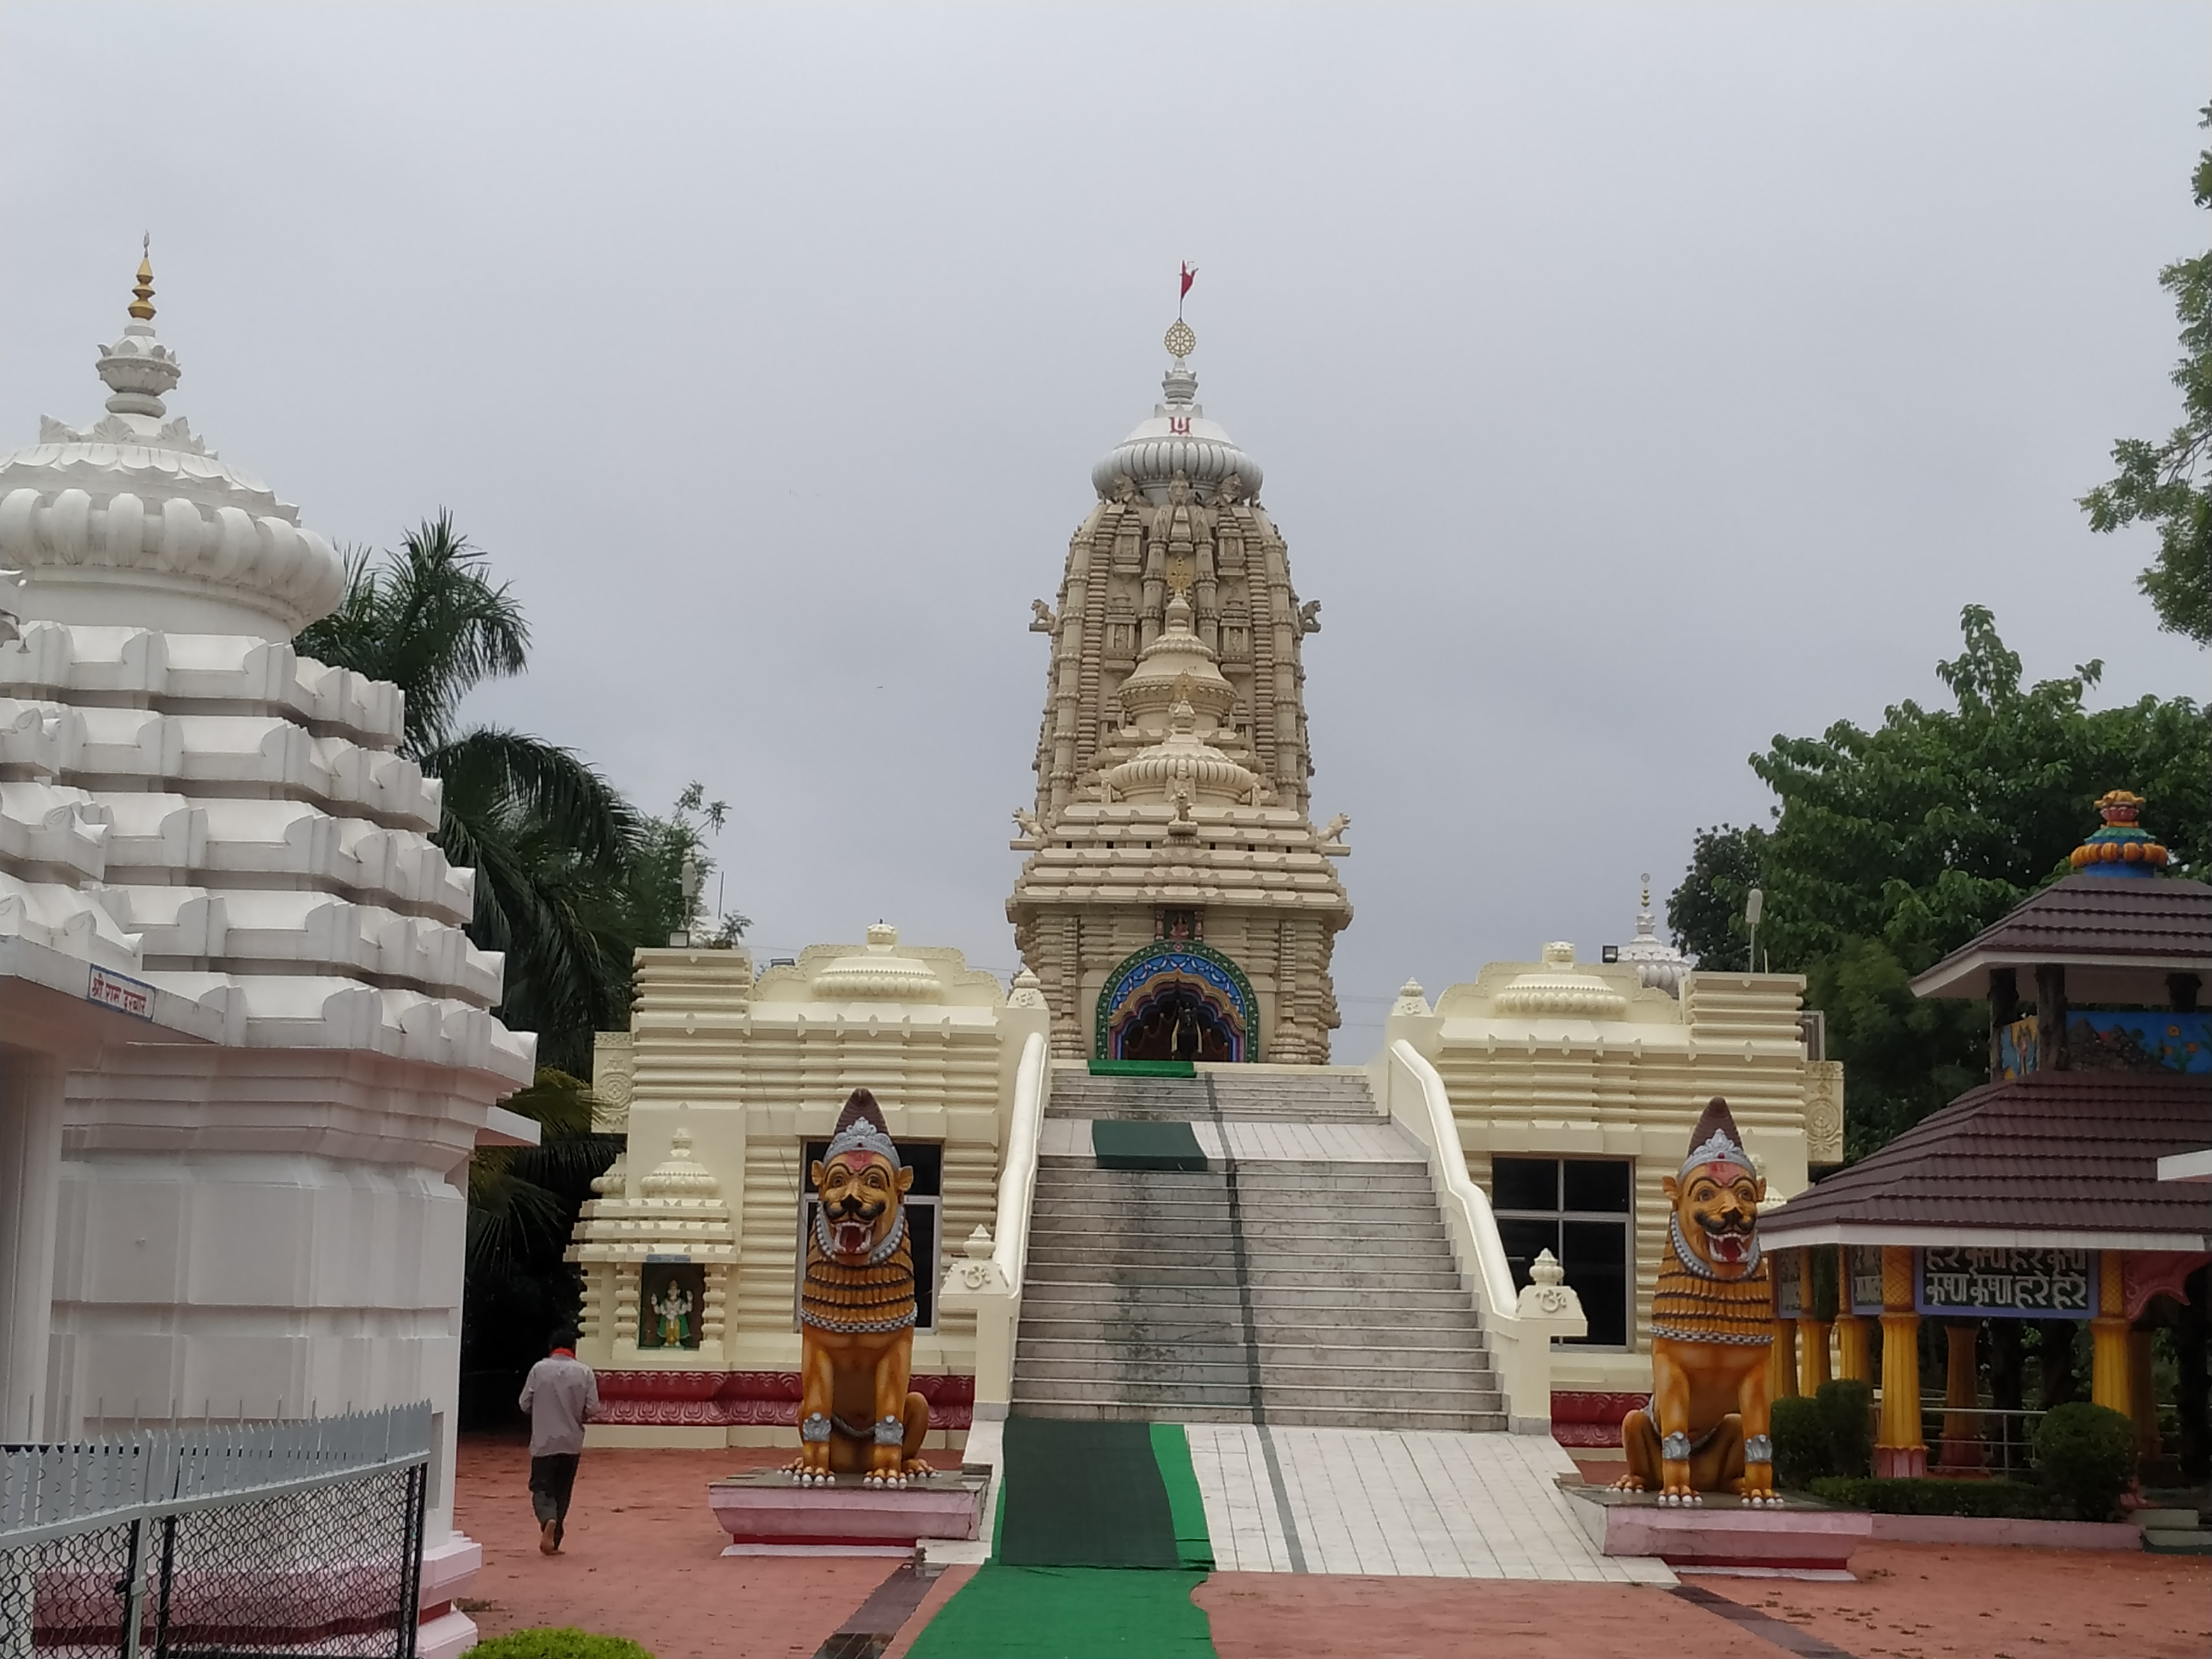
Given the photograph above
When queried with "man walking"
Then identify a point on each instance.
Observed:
(560, 1395)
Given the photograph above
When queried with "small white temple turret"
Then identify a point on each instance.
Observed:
(1658, 966)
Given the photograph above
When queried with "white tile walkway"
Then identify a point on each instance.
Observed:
(1316, 1143)
(1401, 1504)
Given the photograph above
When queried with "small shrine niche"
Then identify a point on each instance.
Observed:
(657, 1266)
(671, 1304)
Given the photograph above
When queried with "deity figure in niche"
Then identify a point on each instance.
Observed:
(672, 1294)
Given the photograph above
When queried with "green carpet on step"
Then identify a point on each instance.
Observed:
(1171, 1451)
(1069, 1613)
(1143, 1068)
(1118, 1144)
(1083, 1494)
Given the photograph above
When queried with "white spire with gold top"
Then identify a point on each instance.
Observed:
(1170, 830)
(97, 517)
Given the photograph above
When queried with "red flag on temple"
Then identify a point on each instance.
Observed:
(1190, 275)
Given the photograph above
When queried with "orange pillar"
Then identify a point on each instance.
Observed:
(1812, 1332)
(1962, 1424)
(2108, 1337)
(1854, 1341)
(1898, 1448)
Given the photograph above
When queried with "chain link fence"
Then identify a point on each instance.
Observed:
(268, 1539)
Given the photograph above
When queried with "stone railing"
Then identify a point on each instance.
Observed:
(988, 1278)
(1519, 1326)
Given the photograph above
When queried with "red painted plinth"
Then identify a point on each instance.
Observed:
(763, 1507)
(1900, 1462)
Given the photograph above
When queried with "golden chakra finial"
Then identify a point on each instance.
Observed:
(142, 306)
(1180, 340)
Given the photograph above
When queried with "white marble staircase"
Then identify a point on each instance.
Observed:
(1305, 1277)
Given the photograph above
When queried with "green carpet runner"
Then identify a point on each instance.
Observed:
(1099, 1541)
(1119, 1144)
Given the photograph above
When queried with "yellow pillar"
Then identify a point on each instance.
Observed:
(1962, 1424)
(2143, 1397)
(1782, 1357)
(1812, 1333)
(2108, 1337)
(1898, 1448)
(1854, 1341)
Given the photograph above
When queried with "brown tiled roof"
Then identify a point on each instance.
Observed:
(2070, 1151)
(2161, 926)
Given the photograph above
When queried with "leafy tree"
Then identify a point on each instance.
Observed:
(658, 907)
(550, 839)
(1706, 913)
(1892, 847)
(2166, 484)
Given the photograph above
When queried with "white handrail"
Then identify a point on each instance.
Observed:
(992, 1286)
(1017, 1180)
(1518, 1325)
(1467, 1215)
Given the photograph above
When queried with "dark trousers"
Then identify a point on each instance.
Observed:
(551, 1480)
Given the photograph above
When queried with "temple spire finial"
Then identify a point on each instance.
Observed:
(142, 306)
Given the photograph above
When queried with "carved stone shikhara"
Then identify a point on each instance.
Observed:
(1172, 763)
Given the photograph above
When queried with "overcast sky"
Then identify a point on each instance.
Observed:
(1633, 384)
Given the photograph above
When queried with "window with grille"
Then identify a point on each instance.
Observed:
(1583, 1211)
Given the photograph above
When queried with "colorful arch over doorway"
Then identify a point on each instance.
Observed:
(1179, 974)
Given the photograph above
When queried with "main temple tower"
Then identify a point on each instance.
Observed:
(1178, 901)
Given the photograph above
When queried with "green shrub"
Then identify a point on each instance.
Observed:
(2005, 1499)
(2086, 1457)
(567, 1643)
(1847, 1412)
(1801, 1443)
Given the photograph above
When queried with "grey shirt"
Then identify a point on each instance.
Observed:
(560, 1393)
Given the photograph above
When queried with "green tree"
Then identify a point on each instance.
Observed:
(1892, 847)
(2167, 484)
(1705, 912)
(551, 841)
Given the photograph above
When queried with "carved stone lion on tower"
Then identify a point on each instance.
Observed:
(1706, 1426)
(856, 1313)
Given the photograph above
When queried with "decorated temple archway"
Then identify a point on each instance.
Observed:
(1177, 1000)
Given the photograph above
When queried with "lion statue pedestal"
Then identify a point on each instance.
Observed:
(1706, 1426)
(857, 1415)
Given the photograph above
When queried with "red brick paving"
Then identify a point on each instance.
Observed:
(643, 1557)
(644, 1560)
(1929, 1600)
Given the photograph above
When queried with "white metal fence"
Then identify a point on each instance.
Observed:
(266, 1538)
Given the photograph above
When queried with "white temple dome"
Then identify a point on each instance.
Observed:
(1559, 987)
(880, 972)
(1178, 440)
(93, 518)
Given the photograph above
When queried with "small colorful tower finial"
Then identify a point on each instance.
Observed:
(2122, 847)
(141, 307)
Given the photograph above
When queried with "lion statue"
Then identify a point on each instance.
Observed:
(1706, 1426)
(856, 1313)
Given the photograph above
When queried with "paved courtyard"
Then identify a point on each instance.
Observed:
(1398, 1503)
(644, 1560)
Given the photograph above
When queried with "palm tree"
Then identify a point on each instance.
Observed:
(550, 839)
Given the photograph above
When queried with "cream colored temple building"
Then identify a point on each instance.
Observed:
(1176, 902)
